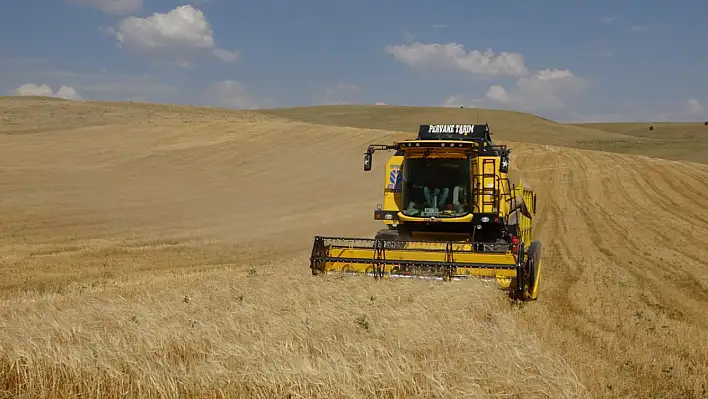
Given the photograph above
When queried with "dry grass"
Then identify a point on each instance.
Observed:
(226, 333)
(625, 286)
(687, 141)
(506, 125)
(162, 251)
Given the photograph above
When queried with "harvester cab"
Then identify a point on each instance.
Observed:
(450, 211)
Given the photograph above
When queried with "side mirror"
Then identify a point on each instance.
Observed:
(367, 161)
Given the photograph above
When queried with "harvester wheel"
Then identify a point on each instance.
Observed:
(533, 268)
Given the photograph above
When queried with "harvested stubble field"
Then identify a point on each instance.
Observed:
(161, 251)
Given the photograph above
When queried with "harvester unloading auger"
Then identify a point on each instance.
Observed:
(451, 212)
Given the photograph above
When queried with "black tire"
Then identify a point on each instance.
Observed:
(532, 261)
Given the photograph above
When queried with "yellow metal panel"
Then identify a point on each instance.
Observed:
(393, 178)
(524, 222)
(425, 256)
(505, 275)
(461, 219)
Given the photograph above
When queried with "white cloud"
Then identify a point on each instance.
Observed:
(459, 100)
(117, 7)
(547, 89)
(452, 56)
(179, 34)
(607, 20)
(225, 55)
(31, 89)
(233, 94)
(693, 107)
(342, 93)
(68, 93)
(543, 90)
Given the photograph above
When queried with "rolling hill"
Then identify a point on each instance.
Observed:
(162, 250)
(671, 140)
(675, 141)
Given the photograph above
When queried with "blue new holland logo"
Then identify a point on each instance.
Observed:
(395, 179)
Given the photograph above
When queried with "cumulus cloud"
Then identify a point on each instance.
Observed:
(453, 56)
(340, 94)
(460, 100)
(68, 93)
(31, 89)
(226, 55)
(233, 94)
(694, 107)
(547, 89)
(179, 34)
(117, 7)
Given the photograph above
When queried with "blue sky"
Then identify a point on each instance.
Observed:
(568, 61)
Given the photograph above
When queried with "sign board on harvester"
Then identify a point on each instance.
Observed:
(453, 132)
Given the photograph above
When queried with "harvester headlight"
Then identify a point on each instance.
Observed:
(388, 216)
(485, 219)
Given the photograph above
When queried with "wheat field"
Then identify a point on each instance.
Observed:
(162, 251)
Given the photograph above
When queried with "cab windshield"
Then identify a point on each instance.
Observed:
(436, 187)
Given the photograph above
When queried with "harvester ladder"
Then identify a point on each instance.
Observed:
(508, 191)
(490, 186)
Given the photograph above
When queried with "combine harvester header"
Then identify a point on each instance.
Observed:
(450, 212)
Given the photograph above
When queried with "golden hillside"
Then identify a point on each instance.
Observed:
(675, 141)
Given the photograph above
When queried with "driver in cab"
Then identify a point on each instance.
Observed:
(434, 189)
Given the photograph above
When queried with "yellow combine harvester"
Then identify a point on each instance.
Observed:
(451, 212)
